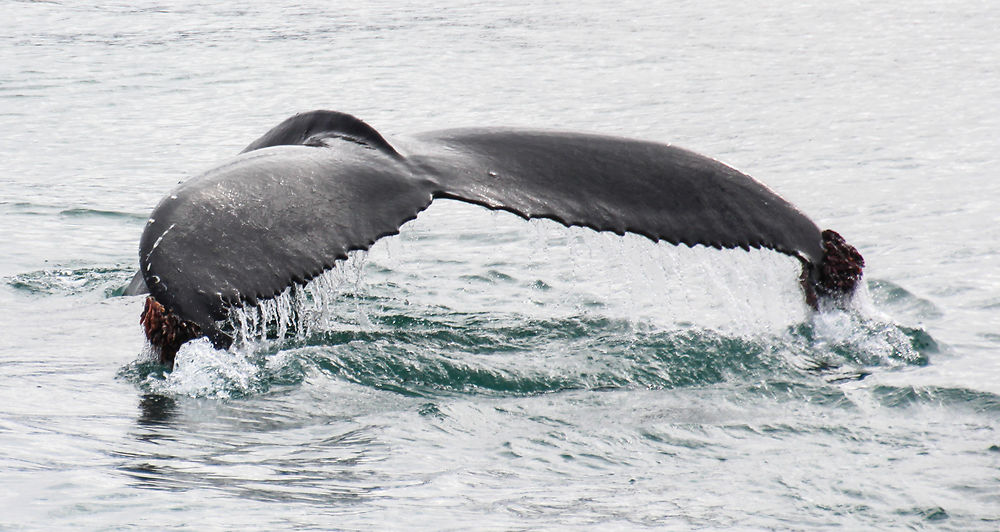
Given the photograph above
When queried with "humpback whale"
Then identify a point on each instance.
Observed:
(323, 183)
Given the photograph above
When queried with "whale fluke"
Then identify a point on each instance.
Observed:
(323, 183)
(315, 127)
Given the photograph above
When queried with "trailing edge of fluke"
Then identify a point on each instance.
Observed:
(324, 183)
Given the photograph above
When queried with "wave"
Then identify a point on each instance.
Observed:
(381, 340)
(437, 353)
(65, 281)
(963, 398)
(80, 212)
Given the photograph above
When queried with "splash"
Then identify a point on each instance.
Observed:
(439, 353)
(848, 343)
(576, 310)
(200, 370)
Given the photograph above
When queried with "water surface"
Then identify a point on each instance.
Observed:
(478, 371)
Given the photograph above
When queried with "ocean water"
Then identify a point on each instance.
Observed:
(482, 372)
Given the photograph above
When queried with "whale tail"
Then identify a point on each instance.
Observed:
(323, 184)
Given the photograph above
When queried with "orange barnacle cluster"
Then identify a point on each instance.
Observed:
(165, 331)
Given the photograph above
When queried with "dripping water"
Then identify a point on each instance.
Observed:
(301, 310)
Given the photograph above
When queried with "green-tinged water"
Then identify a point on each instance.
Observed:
(482, 372)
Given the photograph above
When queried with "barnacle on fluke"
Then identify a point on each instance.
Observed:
(841, 269)
(165, 331)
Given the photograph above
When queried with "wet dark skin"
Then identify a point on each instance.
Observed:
(322, 184)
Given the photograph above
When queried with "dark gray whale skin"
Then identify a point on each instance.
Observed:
(323, 183)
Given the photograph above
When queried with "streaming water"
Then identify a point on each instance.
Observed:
(482, 372)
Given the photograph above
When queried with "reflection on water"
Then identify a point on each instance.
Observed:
(203, 446)
(156, 409)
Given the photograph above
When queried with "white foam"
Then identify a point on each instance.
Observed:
(200, 370)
